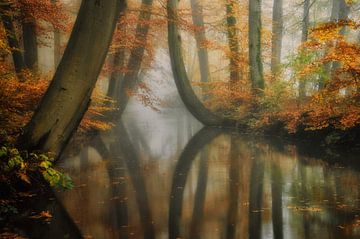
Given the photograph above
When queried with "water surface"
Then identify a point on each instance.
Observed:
(173, 179)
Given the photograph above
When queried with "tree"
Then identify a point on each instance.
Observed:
(233, 40)
(304, 37)
(68, 95)
(276, 39)
(187, 94)
(7, 20)
(255, 59)
(200, 37)
(131, 79)
(57, 43)
(30, 42)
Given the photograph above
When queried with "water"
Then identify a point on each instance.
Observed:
(165, 177)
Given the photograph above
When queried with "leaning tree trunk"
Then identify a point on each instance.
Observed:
(200, 37)
(304, 37)
(13, 42)
(186, 92)
(68, 95)
(131, 78)
(256, 66)
(30, 43)
(277, 34)
(233, 40)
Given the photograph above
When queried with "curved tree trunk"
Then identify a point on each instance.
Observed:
(30, 44)
(131, 78)
(13, 42)
(186, 92)
(256, 66)
(276, 39)
(68, 95)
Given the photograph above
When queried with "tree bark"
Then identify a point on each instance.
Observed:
(233, 41)
(277, 34)
(131, 78)
(68, 95)
(256, 66)
(186, 92)
(30, 43)
(13, 42)
(304, 37)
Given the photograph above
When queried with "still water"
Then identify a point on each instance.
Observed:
(166, 177)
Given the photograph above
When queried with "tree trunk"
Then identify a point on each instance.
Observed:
(200, 37)
(30, 44)
(344, 10)
(186, 92)
(304, 37)
(117, 63)
(256, 66)
(277, 34)
(13, 42)
(233, 41)
(131, 78)
(68, 95)
(57, 44)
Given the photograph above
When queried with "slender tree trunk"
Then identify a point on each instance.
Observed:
(344, 10)
(68, 95)
(57, 44)
(30, 44)
(13, 42)
(200, 37)
(186, 92)
(304, 37)
(256, 66)
(328, 66)
(117, 63)
(233, 41)
(131, 78)
(277, 34)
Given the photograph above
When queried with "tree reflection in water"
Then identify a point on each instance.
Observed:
(220, 185)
